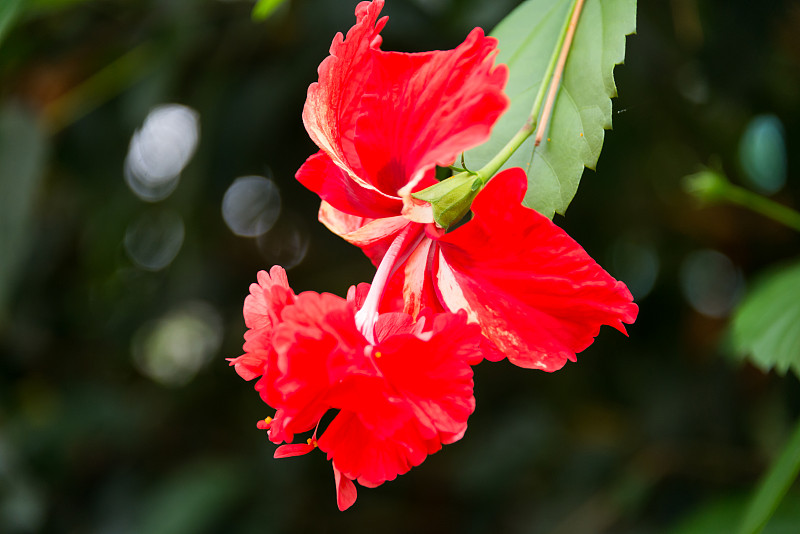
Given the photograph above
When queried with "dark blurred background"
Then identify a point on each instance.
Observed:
(147, 159)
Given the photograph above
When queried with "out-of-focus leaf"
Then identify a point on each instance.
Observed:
(773, 487)
(766, 325)
(192, 499)
(264, 8)
(582, 110)
(23, 148)
(55, 4)
(9, 10)
(723, 516)
(718, 517)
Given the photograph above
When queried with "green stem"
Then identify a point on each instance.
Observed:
(459, 169)
(491, 168)
(762, 205)
(714, 187)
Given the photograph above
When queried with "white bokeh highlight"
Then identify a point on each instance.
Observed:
(160, 150)
(251, 206)
(153, 240)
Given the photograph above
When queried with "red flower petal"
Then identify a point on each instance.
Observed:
(386, 118)
(423, 109)
(312, 347)
(535, 292)
(417, 289)
(320, 174)
(262, 308)
(432, 374)
(416, 396)
(345, 490)
(331, 107)
(249, 366)
(360, 455)
(295, 449)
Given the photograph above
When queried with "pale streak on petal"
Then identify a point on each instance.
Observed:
(453, 297)
(451, 292)
(414, 284)
(414, 209)
(359, 231)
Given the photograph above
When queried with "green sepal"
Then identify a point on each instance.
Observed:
(452, 198)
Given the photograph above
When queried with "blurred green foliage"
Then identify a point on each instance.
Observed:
(766, 324)
(9, 11)
(264, 8)
(640, 436)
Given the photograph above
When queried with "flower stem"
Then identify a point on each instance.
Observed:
(764, 206)
(555, 82)
(553, 73)
(713, 186)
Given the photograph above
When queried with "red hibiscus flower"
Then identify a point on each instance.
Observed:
(402, 387)
(383, 121)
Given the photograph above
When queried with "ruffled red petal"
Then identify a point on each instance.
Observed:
(360, 455)
(332, 104)
(416, 395)
(432, 373)
(535, 292)
(312, 345)
(262, 310)
(420, 110)
(386, 118)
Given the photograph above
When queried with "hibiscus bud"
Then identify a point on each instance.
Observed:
(452, 198)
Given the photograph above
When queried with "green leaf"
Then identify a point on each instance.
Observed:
(583, 108)
(766, 325)
(23, 151)
(9, 11)
(192, 500)
(264, 8)
(39, 6)
(773, 487)
(723, 515)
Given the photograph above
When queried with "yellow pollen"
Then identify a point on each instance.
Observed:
(378, 354)
(268, 420)
(581, 134)
(548, 139)
(308, 441)
(311, 442)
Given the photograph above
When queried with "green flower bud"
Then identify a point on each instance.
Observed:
(452, 198)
